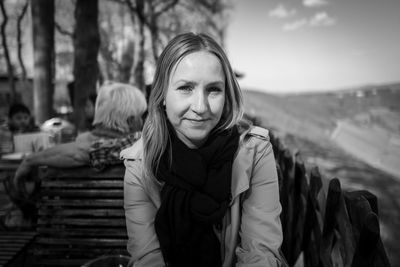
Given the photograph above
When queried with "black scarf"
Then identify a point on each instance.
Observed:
(195, 196)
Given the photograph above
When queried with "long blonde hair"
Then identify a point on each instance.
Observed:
(155, 131)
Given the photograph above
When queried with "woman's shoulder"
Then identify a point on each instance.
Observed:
(134, 152)
(134, 168)
(257, 132)
(255, 142)
(255, 136)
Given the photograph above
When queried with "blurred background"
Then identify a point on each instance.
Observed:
(323, 75)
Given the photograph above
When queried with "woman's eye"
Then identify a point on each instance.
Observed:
(185, 88)
(214, 89)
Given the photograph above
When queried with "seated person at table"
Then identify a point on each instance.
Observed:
(117, 124)
(21, 135)
(20, 120)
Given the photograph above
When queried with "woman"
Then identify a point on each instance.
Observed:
(200, 190)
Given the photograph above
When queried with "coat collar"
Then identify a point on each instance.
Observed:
(135, 152)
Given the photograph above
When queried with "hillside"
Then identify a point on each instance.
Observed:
(357, 120)
(309, 122)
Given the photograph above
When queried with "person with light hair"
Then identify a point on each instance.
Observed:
(201, 187)
(119, 110)
(117, 124)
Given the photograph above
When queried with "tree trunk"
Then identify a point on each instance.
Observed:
(139, 80)
(154, 38)
(86, 46)
(43, 47)
(126, 61)
(10, 68)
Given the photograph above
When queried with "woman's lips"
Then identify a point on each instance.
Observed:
(197, 121)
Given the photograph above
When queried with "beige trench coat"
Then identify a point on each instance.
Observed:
(251, 233)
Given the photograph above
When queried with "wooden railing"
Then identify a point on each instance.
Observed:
(324, 225)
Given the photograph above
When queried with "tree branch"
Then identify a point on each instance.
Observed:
(214, 7)
(129, 4)
(62, 31)
(19, 39)
(166, 7)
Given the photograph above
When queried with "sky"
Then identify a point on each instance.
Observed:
(314, 45)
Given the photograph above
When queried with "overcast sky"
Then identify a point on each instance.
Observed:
(309, 45)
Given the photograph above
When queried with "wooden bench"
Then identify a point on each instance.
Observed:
(13, 241)
(80, 216)
(13, 245)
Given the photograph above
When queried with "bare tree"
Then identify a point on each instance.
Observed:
(154, 22)
(138, 17)
(106, 55)
(43, 46)
(208, 16)
(145, 14)
(156, 9)
(19, 41)
(10, 67)
(86, 46)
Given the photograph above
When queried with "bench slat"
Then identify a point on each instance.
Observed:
(78, 203)
(65, 213)
(63, 262)
(117, 232)
(95, 242)
(58, 183)
(81, 222)
(82, 173)
(76, 193)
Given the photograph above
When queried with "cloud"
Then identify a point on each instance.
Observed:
(292, 26)
(322, 19)
(281, 12)
(314, 3)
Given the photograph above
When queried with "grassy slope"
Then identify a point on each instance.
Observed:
(305, 123)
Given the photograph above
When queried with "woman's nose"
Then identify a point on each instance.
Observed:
(199, 104)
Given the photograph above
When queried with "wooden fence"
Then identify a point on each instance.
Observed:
(324, 225)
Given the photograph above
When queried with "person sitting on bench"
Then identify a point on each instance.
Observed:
(117, 124)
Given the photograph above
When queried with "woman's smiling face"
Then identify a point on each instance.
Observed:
(195, 97)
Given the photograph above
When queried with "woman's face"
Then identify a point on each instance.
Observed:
(195, 97)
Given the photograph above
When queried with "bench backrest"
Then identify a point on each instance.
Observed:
(80, 216)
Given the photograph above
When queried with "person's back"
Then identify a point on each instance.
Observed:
(117, 125)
